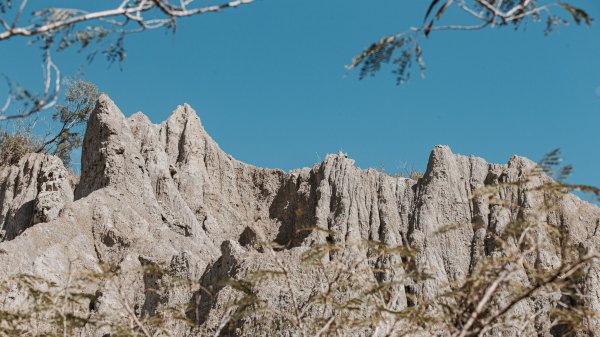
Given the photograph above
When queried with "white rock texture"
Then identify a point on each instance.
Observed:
(168, 195)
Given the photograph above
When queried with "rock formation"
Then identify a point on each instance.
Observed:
(167, 195)
(34, 191)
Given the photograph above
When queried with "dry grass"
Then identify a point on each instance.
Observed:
(16, 144)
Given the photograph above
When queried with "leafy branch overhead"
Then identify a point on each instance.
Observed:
(402, 50)
(97, 32)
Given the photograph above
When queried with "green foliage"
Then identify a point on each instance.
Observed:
(71, 116)
(404, 49)
(80, 99)
(72, 35)
(384, 52)
(94, 32)
(579, 15)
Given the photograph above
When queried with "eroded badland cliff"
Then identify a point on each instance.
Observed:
(166, 195)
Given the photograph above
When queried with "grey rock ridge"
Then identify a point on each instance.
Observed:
(167, 195)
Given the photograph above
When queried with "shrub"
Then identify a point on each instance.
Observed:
(72, 115)
(14, 145)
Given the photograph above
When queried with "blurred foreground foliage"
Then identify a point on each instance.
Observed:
(359, 288)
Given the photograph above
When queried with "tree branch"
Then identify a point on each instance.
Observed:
(47, 101)
(122, 10)
(562, 273)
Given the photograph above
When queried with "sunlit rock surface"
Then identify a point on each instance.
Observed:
(167, 195)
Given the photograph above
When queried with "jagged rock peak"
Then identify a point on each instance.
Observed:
(166, 194)
(108, 147)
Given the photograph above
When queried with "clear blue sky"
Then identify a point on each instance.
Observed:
(269, 84)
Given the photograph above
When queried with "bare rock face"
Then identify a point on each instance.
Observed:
(33, 191)
(167, 195)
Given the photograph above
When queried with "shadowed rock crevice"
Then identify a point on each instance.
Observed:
(34, 190)
(166, 195)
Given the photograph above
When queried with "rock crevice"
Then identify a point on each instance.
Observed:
(168, 195)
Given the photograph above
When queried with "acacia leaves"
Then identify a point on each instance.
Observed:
(403, 50)
(385, 50)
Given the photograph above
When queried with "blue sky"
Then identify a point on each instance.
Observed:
(269, 84)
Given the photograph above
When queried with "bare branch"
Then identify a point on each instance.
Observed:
(561, 273)
(49, 98)
(460, 27)
(483, 303)
(19, 13)
(4, 23)
(179, 12)
(122, 10)
(6, 105)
